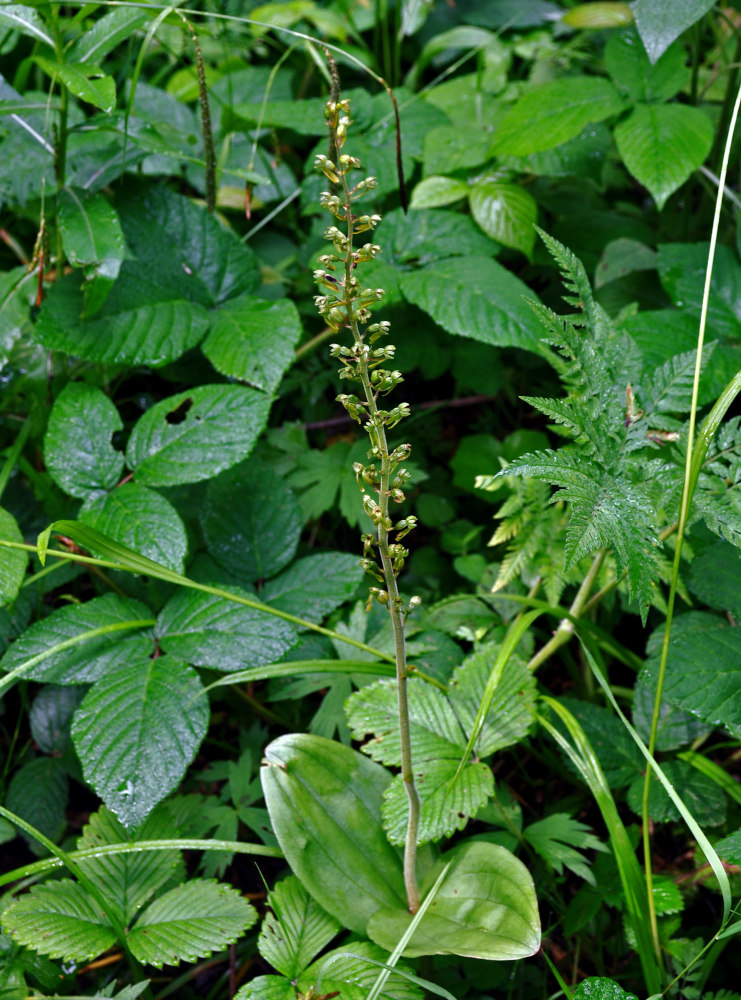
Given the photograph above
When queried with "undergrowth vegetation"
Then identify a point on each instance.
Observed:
(370, 469)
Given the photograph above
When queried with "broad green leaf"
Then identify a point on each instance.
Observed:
(190, 922)
(598, 14)
(92, 239)
(38, 794)
(91, 658)
(295, 928)
(427, 235)
(77, 446)
(601, 988)
(448, 799)
(486, 908)
(140, 322)
(59, 920)
(435, 730)
(51, 715)
(86, 82)
(659, 22)
(506, 212)
(677, 728)
(629, 66)
(682, 273)
(324, 801)
(705, 800)
(16, 287)
(715, 577)
(622, 257)
(183, 245)
(553, 113)
(701, 672)
(454, 98)
(314, 586)
(511, 710)
(267, 988)
(127, 881)
(662, 144)
(353, 969)
(448, 148)
(137, 731)
(105, 34)
(210, 631)
(251, 521)
(141, 519)
(434, 192)
(196, 434)
(475, 297)
(253, 340)
(14, 561)
(584, 156)
(20, 17)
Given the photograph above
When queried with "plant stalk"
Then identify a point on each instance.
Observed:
(377, 434)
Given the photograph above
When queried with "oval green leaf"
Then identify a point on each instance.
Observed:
(137, 731)
(325, 801)
(506, 212)
(196, 434)
(661, 145)
(485, 908)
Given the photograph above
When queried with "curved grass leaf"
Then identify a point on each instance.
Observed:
(105, 34)
(190, 922)
(77, 446)
(141, 519)
(137, 731)
(19, 17)
(700, 794)
(209, 631)
(194, 435)
(90, 658)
